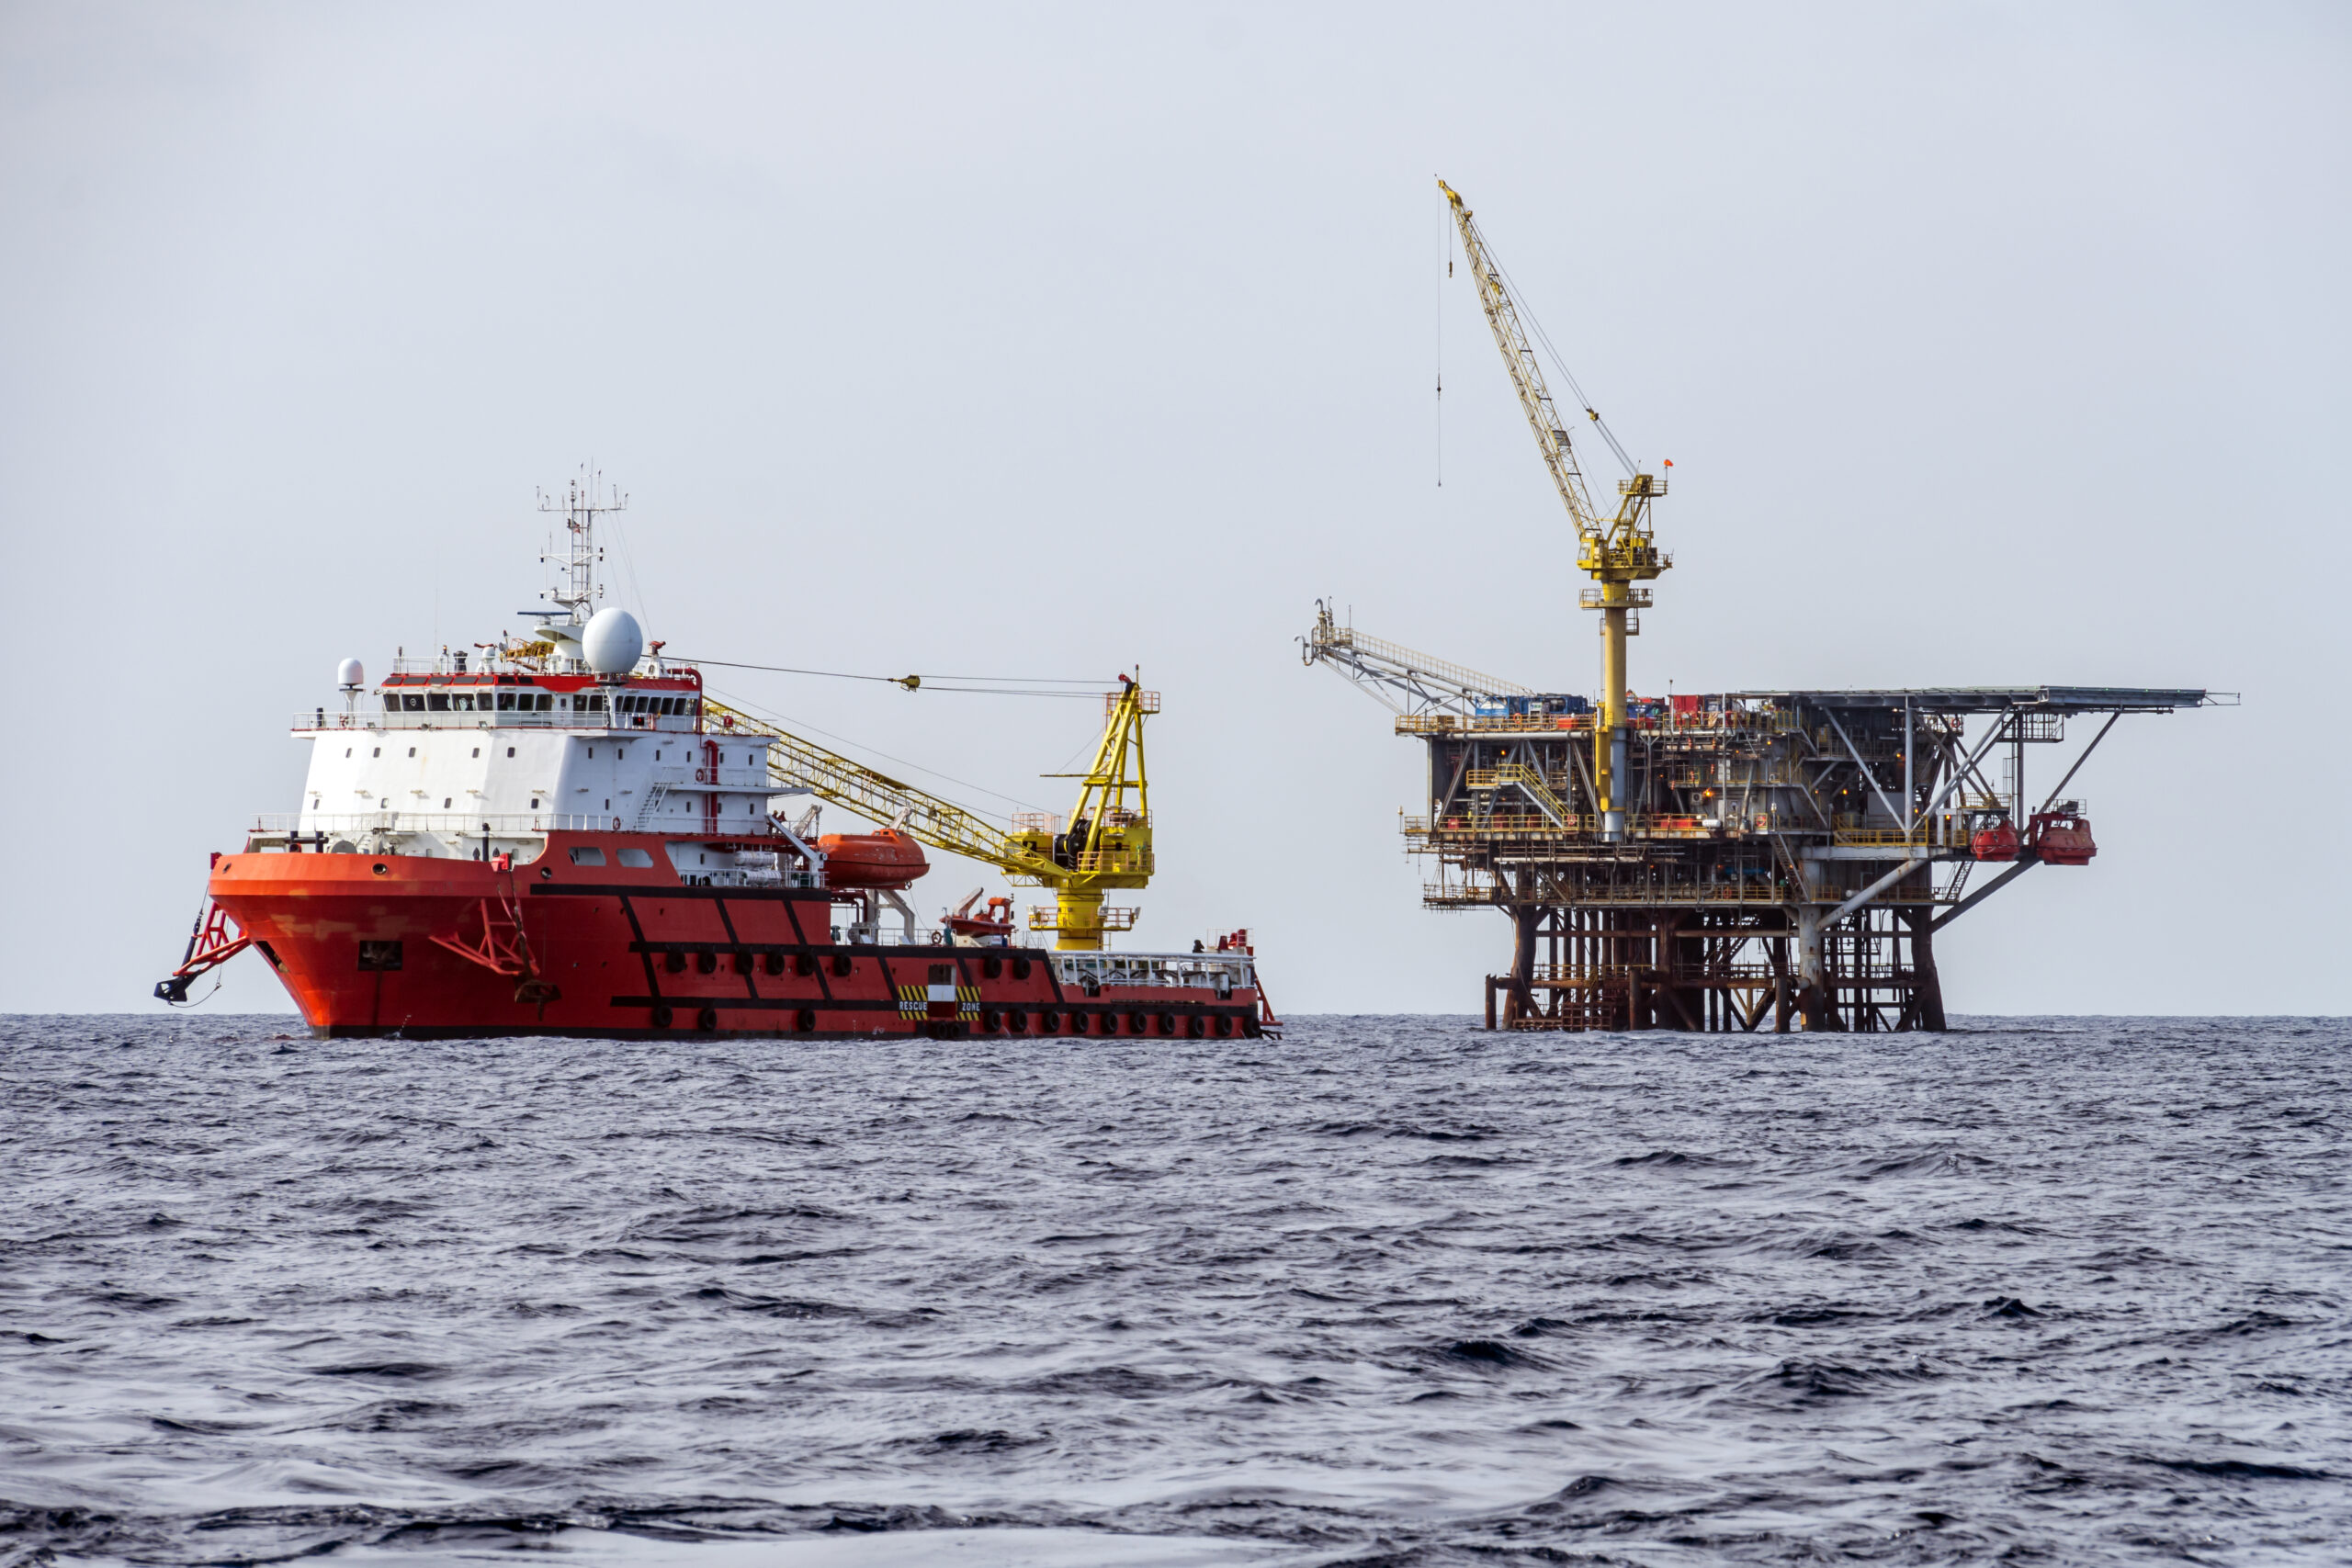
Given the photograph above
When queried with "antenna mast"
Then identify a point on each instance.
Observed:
(576, 588)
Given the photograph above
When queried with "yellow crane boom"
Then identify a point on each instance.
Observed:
(1616, 554)
(1107, 843)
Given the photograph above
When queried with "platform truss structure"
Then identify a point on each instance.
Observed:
(1785, 861)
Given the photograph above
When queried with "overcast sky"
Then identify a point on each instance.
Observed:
(1991, 342)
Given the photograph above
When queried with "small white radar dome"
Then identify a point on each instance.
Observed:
(611, 642)
(350, 675)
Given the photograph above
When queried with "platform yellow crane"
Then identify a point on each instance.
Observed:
(1106, 845)
(1618, 553)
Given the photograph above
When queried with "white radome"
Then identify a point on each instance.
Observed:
(611, 641)
(350, 675)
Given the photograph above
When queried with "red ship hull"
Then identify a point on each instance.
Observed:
(429, 947)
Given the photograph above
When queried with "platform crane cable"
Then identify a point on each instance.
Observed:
(1560, 363)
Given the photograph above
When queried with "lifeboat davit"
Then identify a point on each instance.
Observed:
(2064, 838)
(1998, 842)
(886, 859)
(993, 926)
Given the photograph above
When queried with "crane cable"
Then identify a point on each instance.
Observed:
(793, 726)
(1519, 297)
(1016, 686)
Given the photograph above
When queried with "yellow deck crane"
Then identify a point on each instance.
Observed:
(1618, 554)
(1106, 845)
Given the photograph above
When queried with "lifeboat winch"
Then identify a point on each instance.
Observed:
(886, 860)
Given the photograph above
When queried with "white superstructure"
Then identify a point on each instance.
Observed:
(484, 753)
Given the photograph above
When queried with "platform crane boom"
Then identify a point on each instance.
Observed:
(1387, 671)
(1616, 554)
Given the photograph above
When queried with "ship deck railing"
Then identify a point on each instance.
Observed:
(447, 824)
(320, 721)
(1204, 970)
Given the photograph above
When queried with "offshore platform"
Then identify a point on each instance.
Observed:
(1712, 862)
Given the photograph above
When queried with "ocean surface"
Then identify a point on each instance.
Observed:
(1390, 1291)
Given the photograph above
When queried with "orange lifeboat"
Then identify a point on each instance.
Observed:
(1998, 842)
(2063, 836)
(888, 859)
